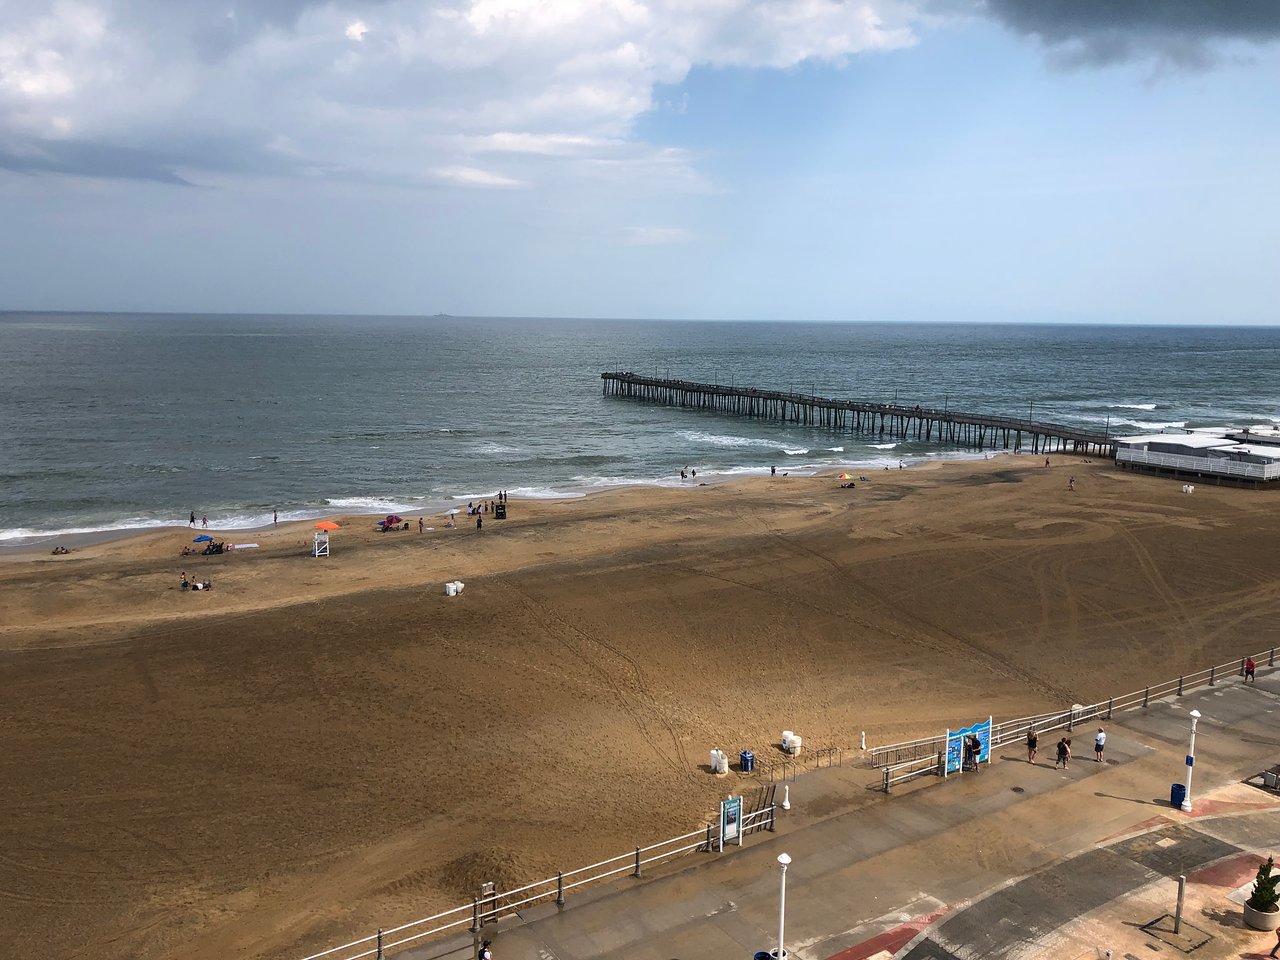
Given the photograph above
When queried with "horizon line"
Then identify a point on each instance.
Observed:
(9, 311)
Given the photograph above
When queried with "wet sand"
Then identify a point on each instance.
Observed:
(319, 746)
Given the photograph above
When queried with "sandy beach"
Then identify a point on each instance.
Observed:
(317, 746)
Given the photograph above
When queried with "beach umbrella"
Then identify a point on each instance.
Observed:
(392, 518)
(204, 538)
(844, 476)
(326, 525)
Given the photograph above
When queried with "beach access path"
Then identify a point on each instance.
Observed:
(1018, 860)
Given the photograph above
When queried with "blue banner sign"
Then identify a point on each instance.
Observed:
(957, 757)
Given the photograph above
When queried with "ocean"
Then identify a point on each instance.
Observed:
(116, 422)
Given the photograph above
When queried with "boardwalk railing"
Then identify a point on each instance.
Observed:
(883, 419)
(496, 904)
(901, 762)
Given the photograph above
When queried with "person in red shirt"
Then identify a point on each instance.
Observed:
(1250, 668)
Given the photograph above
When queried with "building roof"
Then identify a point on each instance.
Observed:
(1257, 450)
(1198, 441)
(1258, 434)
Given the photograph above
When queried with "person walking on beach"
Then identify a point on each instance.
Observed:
(1099, 744)
(479, 522)
(1071, 483)
(192, 522)
(1064, 753)
(773, 471)
(275, 518)
(1046, 461)
(1033, 741)
(1250, 668)
(421, 526)
(204, 521)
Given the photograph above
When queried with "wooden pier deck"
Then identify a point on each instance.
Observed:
(977, 430)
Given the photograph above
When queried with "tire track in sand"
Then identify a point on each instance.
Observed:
(1159, 585)
(632, 692)
(926, 633)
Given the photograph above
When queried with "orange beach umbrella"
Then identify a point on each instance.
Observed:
(844, 476)
(326, 525)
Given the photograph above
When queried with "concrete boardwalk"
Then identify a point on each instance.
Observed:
(1016, 861)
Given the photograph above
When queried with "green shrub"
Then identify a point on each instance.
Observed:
(1265, 898)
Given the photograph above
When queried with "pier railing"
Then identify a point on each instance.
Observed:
(958, 427)
(494, 904)
(901, 762)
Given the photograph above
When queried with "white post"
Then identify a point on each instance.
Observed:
(864, 741)
(786, 796)
(1191, 759)
(783, 860)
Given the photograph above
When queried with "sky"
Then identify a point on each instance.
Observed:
(1108, 161)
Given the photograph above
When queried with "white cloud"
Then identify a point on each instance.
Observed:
(542, 144)
(372, 88)
(473, 177)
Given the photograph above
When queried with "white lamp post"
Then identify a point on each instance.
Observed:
(781, 952)
(1191, 759)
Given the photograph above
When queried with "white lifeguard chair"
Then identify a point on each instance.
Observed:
(321, 548)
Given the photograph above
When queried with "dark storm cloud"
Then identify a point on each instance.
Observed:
(1098, 32)
(80, 158)
(155, 164)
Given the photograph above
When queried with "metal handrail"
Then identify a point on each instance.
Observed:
(1009, 730)
(488, 909)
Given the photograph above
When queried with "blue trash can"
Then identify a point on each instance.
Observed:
(747, 761)
(1177, 794)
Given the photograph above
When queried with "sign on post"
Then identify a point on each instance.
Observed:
(955, 756)
(730, 821)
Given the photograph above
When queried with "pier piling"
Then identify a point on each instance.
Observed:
(892, 420)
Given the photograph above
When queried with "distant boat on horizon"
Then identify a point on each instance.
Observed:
(442, 316)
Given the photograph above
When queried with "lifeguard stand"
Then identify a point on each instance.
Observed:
(321, 548)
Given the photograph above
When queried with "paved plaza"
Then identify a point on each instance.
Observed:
(1018, 860)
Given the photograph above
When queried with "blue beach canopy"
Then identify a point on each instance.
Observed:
(204, 538)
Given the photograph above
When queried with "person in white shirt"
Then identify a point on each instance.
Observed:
(1099, 743)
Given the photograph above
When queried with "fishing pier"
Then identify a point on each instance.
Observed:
(890, 420)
